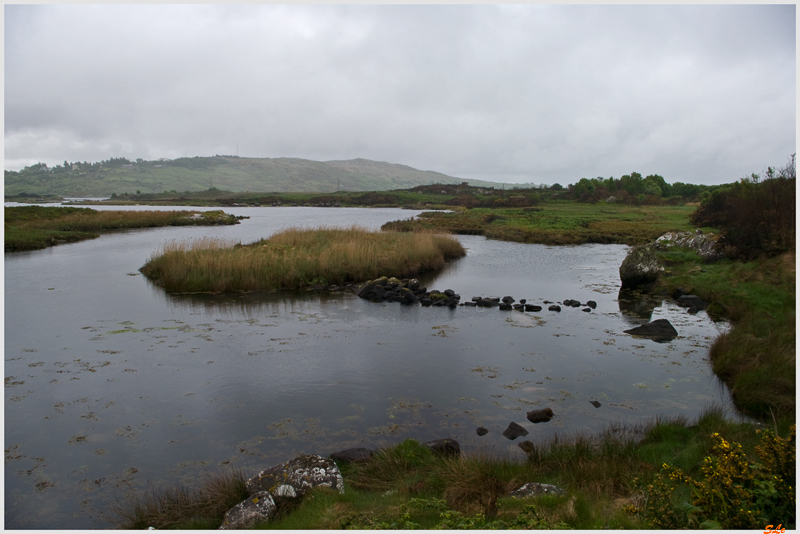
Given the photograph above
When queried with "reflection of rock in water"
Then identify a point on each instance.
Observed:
(637, 307)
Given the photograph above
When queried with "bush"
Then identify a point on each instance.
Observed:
(735, 492)
(756, 217)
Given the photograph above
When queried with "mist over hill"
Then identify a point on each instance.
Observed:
(231, 173)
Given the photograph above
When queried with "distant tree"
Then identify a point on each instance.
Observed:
(556, 187)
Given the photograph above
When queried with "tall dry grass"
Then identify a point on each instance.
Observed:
(296, 258)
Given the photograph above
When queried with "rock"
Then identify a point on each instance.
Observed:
(522, 301)
(567, 302)
(445, 447)
(691, 301)
(481, 431)
(533, 308)
(576, 304)
(640, 267)
(705, 245)
(295, 477)
(476, 299)
(527, 446)
(540, 416)
(518, 307)
(260, 506)
(595, 403)
(469, 303)
(354, 455)
(488, 303)
(587, 310)
(592, 304)
(659, 330)
(508, 300)
(425, 301)
(514, 431)
(505, 306)
(554, 307)
(534, 489)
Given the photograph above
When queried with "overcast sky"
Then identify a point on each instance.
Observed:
(532, 93)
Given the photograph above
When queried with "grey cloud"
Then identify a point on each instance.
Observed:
(531, 93)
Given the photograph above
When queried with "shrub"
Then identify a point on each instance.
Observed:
(755, 216)
(734, 492)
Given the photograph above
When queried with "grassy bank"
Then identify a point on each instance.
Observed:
(296, 258)
(614, 479)
(37, 227)
(557, 223)
(756, 359)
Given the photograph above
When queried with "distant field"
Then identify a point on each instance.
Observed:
(558, 223)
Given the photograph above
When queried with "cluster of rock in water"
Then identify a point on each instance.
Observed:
(289, 482)
(409, 291)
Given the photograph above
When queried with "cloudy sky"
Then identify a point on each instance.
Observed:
(531, 93)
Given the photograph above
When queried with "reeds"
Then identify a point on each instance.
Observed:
(297, 258)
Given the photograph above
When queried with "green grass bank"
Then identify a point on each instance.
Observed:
(756, 358)
(297, 258)
(38, 227)
(619, 478)
(556, 223)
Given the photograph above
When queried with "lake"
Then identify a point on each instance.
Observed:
(112, 385)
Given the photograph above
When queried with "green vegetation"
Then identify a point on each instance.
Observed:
(756, 358)
(612, 480)
(37, 227)
(296, 258)
(557, 223)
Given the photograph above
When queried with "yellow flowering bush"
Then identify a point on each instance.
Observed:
(733, 491)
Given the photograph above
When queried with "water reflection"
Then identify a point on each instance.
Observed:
(636, 306)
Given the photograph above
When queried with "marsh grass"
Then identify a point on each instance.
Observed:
(296, 258)
(557, 223)
(756, 358)
(180, 507)
(37, 227)
(406, 486)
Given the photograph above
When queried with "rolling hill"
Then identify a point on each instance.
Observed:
(230, 173)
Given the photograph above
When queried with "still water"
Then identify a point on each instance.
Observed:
(112, 385)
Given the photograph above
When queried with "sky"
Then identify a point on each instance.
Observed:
(509, 93)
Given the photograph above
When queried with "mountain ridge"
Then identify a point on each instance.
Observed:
(232, 173)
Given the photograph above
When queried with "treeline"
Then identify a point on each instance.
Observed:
(756, 215)
(634, 189)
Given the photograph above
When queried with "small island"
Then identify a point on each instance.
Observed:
(298, 258)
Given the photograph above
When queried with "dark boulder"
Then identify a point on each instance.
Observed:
(508, 300)
(481, 431)
(595, 403)
(592, 304)
(540, 416)
(691, 301)
(527, 446)
(445, 447)
(587, 310)
(354, 455)
(505, 306)
(469, 303)
(514, 431)
(554, 307)
(660, 330)
(533, 308)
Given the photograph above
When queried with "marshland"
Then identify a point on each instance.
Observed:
(116, 387)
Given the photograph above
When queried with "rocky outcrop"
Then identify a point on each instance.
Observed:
(294, 478)
(257, 508)
(640, 267)
(660, 330)
(706, 245)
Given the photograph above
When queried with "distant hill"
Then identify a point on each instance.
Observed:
(231, 173)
